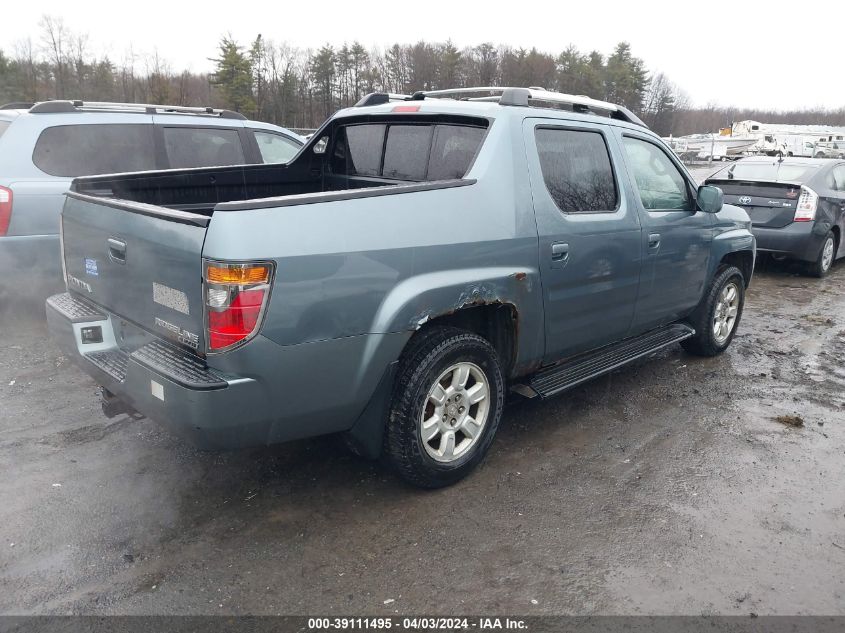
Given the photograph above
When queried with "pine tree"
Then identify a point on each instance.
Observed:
(233, 76)
(626, 78)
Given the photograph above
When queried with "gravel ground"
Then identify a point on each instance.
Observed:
(673, 486)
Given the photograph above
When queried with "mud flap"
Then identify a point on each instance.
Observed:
(366, 436)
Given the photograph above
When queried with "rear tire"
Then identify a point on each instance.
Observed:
(717, 317)
(826, 256)
(447, 403)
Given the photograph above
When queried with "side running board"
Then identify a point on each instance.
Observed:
(592, 364)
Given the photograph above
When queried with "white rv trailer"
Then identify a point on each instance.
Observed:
(815, 141)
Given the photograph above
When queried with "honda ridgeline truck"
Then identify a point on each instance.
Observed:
(417, 257)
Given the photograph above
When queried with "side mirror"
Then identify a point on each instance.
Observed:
(710, 199)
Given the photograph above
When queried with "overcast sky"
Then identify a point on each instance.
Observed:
(768, 54)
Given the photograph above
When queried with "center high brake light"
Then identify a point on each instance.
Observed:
(235, 298)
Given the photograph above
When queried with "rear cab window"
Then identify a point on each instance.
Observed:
(202, 147)
(90, 149)
(416, 151)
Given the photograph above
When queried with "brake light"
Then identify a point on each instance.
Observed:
(235, 298)
(805, 210)
(406, 108)
(5, 210)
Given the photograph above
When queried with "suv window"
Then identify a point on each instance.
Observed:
(3, 126)
(90, 149)
(577, 170)
(202, 147)
(412, 151)
(660, 183)
(275, 148)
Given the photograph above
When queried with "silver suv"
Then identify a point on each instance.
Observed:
(43, 146)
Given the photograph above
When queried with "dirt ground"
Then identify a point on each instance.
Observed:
(675, 485)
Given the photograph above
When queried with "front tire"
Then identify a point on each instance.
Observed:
(717, 317)
(827, 253)
(447, 402)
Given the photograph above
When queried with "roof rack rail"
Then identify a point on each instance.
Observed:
(50, 107)
(378, 98)
(17, 105)
(509, 96)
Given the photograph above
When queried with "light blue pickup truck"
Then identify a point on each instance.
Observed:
(418, 257)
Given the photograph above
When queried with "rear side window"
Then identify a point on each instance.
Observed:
(87, 150)
(577, 170)
(275, 148)
(3, 126)
(406, 151)
(202, 147)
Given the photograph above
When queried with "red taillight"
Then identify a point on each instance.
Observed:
(236, 322)
(805, 210)
(5, 210)
(235, 297)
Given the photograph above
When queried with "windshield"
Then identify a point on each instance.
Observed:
(767, 172)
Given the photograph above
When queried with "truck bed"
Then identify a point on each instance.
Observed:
(200, 190)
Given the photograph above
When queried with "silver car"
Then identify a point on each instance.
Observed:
(43, 146)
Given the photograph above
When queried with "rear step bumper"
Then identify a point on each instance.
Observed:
(592, 364)
(161, 381)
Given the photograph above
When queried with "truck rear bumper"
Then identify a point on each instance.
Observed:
(295, 391)
(798, 240)
(161, 382)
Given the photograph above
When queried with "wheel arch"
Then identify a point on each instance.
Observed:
(504, 305)
(744, 260)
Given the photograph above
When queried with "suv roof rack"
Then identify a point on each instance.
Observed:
(52, 107)
(509, 96)
(17, 105)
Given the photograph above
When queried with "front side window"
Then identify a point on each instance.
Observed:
(88, 150)
(275, 148)
(577, 170)
(661, 185)
(202, 147)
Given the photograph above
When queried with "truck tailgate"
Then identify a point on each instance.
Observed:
(138, 261)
